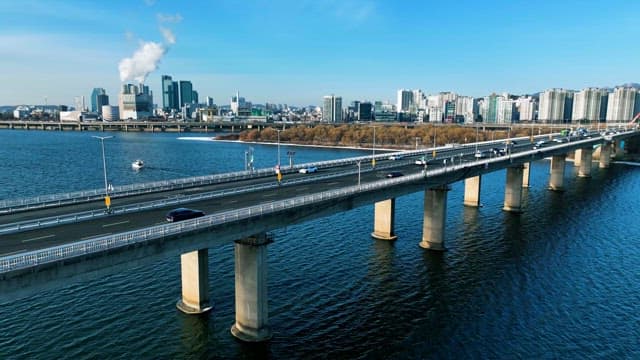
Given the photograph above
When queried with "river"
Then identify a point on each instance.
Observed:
(560, 280)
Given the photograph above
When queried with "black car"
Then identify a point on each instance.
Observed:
(183, 214)
(394, 174)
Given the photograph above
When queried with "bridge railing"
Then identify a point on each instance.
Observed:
(103, 243)
(11, 205)
(26, 225)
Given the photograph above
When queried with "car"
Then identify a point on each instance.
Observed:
(308, 170)
(540, 143)
(420, 162)
(394, 174)
(395, 157)
(481, 154)
(180, 214)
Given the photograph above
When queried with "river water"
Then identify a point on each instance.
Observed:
(560, 280)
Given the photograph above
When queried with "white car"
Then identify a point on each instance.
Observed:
(308, 170)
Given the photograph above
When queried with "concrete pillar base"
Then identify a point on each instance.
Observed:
(384, 222)
(556, 188)
(383, 236)
(252, 306)
(584, 175)
(248, 334)
(432, 246)
(513, 209)
(191, 310)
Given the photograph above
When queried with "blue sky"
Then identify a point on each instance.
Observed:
(295, 52)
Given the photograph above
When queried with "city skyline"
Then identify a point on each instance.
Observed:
(296, 53)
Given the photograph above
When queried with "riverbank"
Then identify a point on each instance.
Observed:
(194, 138)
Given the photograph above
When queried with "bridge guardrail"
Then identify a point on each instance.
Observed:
(19, 261)
(11, 205)
(37, 202)
(98, 213)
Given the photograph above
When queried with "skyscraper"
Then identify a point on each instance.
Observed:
(186, 92)
(98, 99)
(332, 109)
(169, 94)
(622, 104)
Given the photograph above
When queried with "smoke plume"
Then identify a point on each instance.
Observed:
(144, 61)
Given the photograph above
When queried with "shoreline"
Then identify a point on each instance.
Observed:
(196, 138)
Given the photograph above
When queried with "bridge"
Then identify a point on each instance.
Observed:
(47, 239)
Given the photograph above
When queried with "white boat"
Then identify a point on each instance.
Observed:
(138, 164)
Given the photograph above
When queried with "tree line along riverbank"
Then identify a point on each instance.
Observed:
(388, 136)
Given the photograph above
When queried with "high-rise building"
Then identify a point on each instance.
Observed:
(506, 110)
(365, 111)
(186, 92)
(623, 104)
(527, 107)
(467, 108)
(98, 99)
(239, 106)
(405, 100)
(332, 109)
(555, 106)
(194, 97)
(170, 94)
(209, 101)
(489, 109)
(588, 105)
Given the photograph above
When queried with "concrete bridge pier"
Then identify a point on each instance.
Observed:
(526, 174)
(605, 155)
(556, 179)
(195, 282)
(383, 224)
(618, 149)
(472, 191)
(435, 211)
(252, 309)
(513, 189)
(585, 163)
(577, 157)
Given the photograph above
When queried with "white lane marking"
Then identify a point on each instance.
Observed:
(232, 201)
(15, 252)
(95, 236)
(269, 195)
(114, 224)
(39, 238)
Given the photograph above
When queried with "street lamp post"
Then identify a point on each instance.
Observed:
(278, 130)
(107, 199)
(290, 155)
(373, 159)
(358, 173)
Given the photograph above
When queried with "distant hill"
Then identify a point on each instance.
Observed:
(633, 85)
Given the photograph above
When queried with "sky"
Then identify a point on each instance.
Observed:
(295, 52)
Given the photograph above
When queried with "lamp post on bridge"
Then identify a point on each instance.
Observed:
(107, 199)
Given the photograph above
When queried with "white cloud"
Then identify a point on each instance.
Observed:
(164, 18)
